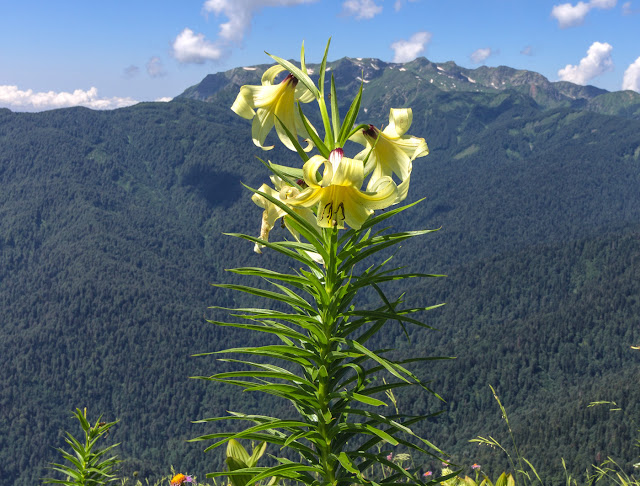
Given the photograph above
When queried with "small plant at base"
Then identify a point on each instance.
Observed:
(238, 458)
(490, 441)
(89, 465)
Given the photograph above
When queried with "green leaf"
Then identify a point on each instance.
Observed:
(267, 294)
(335, 113)
(368, 429)
(280, 247)
(323, 67)
(350, 118)
(294, 140)
(262, 374)
(377, 219)
(280, 330)
(294, 173)
(320, 145)
(358, 397)
(238, 452)
(300, 76)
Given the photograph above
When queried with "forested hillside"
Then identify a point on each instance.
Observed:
(111, 231)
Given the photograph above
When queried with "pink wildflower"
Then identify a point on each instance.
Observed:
(475, 466)
(428, 474)
(390, 456)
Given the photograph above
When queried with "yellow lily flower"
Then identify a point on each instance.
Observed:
(393, 151)
(283, 193)
(264, 103)
(337, 195)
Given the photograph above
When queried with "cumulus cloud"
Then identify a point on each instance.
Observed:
(481, 55)
(597, 62)
(361, 9)
(190, 47)
(164, 99)
(569, 15)
(16, 99)
(239, 14)
(408, 50)
(155, 69)
(627, 9)
(631, 79)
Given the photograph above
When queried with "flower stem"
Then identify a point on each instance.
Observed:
(325, 387)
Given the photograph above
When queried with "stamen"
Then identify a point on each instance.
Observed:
(290, 79)
(371, 132)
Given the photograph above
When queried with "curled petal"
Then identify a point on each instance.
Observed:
(403, 189)
(310, 171)
(399, 122)
(270, 74)
(382, 195)
(270, 214)
(243, 105)
(270, 102)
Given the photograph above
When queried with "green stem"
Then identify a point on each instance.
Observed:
(325, 386)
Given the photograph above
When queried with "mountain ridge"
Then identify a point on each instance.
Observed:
(447, 76)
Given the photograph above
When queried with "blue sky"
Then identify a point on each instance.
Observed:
(110, 53)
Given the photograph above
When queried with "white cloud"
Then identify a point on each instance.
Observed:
(631, 79)
(398, 4)
(481, 55)
(408, 50)
(131, 71)
(605, 4)
(571, 15)
(597, 62)
(239, 14)
(164, 99)
(14, 98)
(527, 51)
(155, 69)
(189, 47)
(361, 9)
(627, 9)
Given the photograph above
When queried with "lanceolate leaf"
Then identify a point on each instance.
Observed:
(301, 76)
(267, 294)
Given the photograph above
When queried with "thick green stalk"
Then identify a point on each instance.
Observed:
(324, 377)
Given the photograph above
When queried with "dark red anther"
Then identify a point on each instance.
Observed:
(371, 132)
(290, 78)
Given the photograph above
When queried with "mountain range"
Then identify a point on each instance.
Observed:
(111, 230)
(380, 77)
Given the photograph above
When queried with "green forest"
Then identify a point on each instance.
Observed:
(111, 232)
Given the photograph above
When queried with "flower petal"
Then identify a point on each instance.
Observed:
(270, 74)
(399, 122)
(243, 105)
